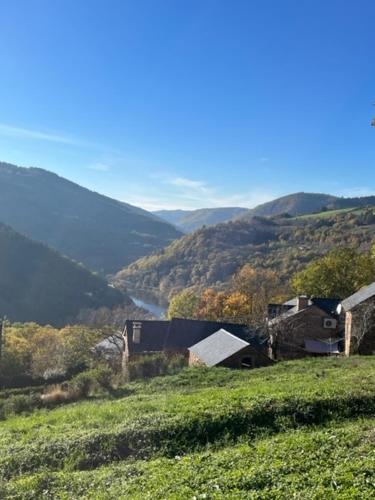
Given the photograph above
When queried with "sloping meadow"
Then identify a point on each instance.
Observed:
(196, 417)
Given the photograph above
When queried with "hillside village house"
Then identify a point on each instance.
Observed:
(224, 349)
(303, 327)
(297, 328)
(177, 336)
(359, 312)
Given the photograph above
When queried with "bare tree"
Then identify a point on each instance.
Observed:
(284, 335)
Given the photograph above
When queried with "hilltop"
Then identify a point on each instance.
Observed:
(296, 204)
(292, 204)
(301, 429)
(210, 256)
(190, 220)
(102, 233)
(38, 284)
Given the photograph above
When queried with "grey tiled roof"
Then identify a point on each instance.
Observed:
(357, 298)
(217, 347)
(183, 333)
(328, 305)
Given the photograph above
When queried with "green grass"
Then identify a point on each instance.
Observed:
(130, 440)
(330, 213)
(337, 461)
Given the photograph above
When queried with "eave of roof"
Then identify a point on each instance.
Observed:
(217, 347)
(359, 297)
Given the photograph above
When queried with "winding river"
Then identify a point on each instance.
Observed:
(155, 309)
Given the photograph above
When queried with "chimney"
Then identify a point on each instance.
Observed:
(137, 327)
(302, 302)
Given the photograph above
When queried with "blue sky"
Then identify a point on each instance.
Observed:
(191, 103)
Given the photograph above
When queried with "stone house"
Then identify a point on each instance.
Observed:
(225, 349)
(304, 327)
(359, 313)
(143, 337)
(146, 337)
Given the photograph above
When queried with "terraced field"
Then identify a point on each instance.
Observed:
(301, 429)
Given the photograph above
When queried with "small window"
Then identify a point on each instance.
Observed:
(247, 362)
(137, 332)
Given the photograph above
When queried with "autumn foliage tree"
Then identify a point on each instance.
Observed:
(338, 274)
(33, 351)
(183, 305)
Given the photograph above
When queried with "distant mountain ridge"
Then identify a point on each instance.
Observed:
(98, 231)
(292, 204)
(38, 284)
(190, 220)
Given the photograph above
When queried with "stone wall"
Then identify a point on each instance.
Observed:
(288, 335)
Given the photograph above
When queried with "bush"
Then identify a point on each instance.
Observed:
(21, 404)
(57, 395)
(55, 375)
(103, 375)
(81, 384)
(153, 365)
(86, 382)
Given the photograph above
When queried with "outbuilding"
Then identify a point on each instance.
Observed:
(222, 348)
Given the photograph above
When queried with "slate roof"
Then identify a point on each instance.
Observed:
(217, 347)
(327, 305)
(153, 335)
(359, 297)
(183, 333)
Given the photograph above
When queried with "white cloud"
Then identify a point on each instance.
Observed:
(188, 183)
(7, 130)
(24, 133)
(99, 167)
(264, 159)
(174, 193)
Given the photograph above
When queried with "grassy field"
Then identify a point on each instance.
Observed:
(330, 213)
(303, 429)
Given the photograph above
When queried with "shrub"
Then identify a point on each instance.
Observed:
(153, 365)
(103, 375)
(57, 395)
(54, 375)
(81, 384)
(86, 382)
(21, 404)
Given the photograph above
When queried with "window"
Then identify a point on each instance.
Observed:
(137, 332)
(247, 362)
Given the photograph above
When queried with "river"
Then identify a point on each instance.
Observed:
(155, 309)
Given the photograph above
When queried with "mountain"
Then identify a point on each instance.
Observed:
(38, 284)
(292, 204)
(210, 256)
(190, 220)
(98, 231)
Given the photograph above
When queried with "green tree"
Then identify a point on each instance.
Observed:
(183, 305)
(338, 274)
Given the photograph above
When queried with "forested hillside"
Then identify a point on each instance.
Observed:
(38, 284)
(190, 220)
(210, 256)
(292, 204)
(102, 233)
